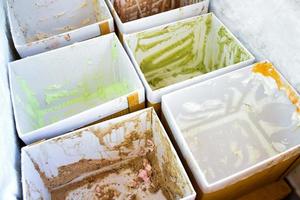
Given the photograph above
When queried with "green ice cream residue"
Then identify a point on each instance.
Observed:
(186, 49)
(55, 99)
(148, 35)
(33, 106)
(145, 47)
(208, 24)
(52, 97)
(147, 64)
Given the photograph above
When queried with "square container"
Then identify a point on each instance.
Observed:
(237, 131)
(179, 54)
(137, 15)
(38, 26)
(130, 157)
(67, 88)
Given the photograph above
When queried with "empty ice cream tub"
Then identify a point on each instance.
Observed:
(70, 87)
(238, 131)
(130, 157)
(179, 54)
(38, 26)
(137, 15)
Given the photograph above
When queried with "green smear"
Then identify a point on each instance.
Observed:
(58, 98)
(147, 35)
(51, 97)
(146, 47)
(148, 65)
(208, 23)
(32, 107)
(155, 81)
(191, 58)
(177, 55)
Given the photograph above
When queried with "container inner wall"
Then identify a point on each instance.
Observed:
(184, 50)
(38, 19)
(174, 179)
(233, 122)
(120, 159)
(62, 83)
(33, 188)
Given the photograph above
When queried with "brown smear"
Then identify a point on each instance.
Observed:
(67, 37)
(268, 70)
(107, 192)
(174, 182)
(95, 16)
(165, 177)
(129, 136)
(69, 172)
(129, 10)
(62, 193)
(37, 37)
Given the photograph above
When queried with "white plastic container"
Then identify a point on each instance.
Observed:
(67, 88)
(107, 160)
(188, 8)
(179, 54)
(236, 126)
(38, 26)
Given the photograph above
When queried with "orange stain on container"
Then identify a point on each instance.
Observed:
(268, 70)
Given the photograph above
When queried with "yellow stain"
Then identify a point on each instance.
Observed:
(268, 70)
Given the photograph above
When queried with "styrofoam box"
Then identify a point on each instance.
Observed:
(193, 8)
(38, 26)
(80, 155)
(235, 125)
(182, 53)
(67, 88)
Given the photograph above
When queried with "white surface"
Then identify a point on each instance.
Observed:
(270, 29)
(9, 151)
(241, 117)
